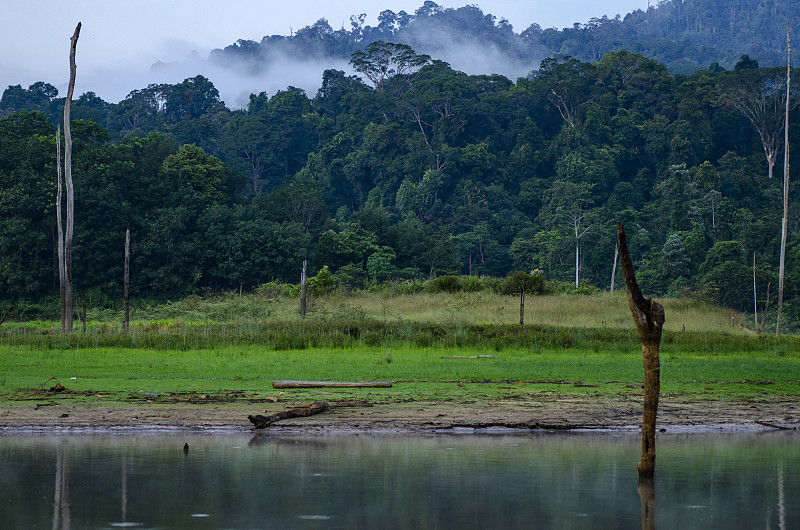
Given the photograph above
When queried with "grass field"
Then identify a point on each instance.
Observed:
(569, 344)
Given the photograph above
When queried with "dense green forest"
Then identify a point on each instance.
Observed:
(407, 171)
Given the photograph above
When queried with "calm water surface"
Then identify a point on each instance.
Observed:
(496, 481)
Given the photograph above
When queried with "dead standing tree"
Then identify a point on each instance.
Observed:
(649, 318)
(126, 273)
(65, 236)
(784, 220)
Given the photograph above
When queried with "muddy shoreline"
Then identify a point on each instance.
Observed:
(550, 414)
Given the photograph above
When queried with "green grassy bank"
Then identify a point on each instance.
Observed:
(432, 346)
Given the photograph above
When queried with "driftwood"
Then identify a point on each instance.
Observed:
(470, 357)
(775, 425)
(261, 422)
(282, 383)
(649, 318)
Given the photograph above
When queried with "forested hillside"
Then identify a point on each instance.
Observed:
(685, 35)
(410, 170)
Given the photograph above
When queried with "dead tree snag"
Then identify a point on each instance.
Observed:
(649, 318)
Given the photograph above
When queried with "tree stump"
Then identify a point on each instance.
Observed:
(649, 318)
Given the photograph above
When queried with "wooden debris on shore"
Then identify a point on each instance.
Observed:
(261, 422)
(282, 383)
(775, 425)
(470, 357)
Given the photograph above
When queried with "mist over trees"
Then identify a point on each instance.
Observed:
(430, 171)
(684, 35)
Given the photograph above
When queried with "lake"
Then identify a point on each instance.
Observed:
(493, 480)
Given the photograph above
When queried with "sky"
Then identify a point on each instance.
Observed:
(121, 39)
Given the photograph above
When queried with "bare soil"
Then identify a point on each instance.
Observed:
(548, 411)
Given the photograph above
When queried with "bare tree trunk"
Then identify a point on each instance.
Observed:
(67, 323)
(127, 281)
(577, 261)
(62, 274)
(766, 308)
(303, 289)
(614, 268)
(755, 295)
(649, 318)
(784, 221)
(8, 312)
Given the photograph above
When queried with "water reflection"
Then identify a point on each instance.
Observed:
(647, 496)
(539, 480)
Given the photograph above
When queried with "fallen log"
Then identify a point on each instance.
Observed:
(775, 425)
(470, 357)
(280, 383)
(265, 421)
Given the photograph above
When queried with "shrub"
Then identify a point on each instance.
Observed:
(322, 283)
(444, 284)
(516, 280)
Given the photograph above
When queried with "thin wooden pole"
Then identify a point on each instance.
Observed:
(755, 295)
(127, 281)
(303, 289)
(614, 268)
(784, 221)
(522, 305)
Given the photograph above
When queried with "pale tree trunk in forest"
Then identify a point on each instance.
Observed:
(755, 295)
(66, 323)
(127, 281)
(576, 220)
(766, 309)
(784, 221)
(649, 318)
(303, 289)
(62, 274)
(614, 268)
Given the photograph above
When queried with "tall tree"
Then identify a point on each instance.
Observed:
(784, 221)
(66, 278)
(758, 95)
(382, 60)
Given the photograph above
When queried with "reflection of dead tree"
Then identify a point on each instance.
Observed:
(649, 318)
(647, 495)
(61, 514)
